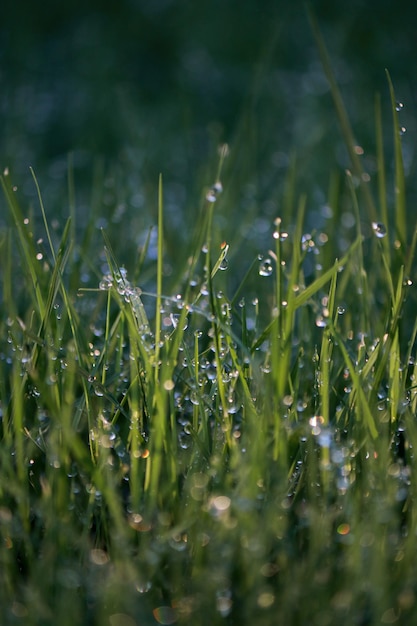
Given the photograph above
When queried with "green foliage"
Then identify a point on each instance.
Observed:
(239, 452)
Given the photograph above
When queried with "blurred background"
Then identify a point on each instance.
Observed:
(126, 90)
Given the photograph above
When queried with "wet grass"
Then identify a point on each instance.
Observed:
(206, 449)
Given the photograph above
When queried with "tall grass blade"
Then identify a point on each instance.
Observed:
(400, 199)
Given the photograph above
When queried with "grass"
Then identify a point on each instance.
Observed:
(231, 451)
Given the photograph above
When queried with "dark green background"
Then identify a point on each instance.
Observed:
(100, 76)
(153, 86)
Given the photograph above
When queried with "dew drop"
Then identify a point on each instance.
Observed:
(402, 130)
(307, 242)
(195, 400)
(211, 196)
(175, 318)
(320, 322)
(399, 106)
(224, 265)
(106, 283)
(379, 229)
(265, 268)
(165, 615)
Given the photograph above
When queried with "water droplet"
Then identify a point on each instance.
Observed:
(379, 229)
(195, 400)
(281, 235)
(165, 615)
(341, 310)
(225, 309)
(407, 282)
(265, 268)
(399, 106)
(220, 504)
(214, 191)
(402, 130)
(175, 318)
(224, 265)
(169, 385)
(106, 282)
(307, 243)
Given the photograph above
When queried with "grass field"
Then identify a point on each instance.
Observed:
(194, 431)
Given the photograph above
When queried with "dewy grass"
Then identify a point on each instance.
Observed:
(212, 455)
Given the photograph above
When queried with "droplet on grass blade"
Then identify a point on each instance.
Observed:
(265, 268)
(175, 318)
(218, 187)
(106, 283)
(379, 229)
(214, 191)
(321, 322)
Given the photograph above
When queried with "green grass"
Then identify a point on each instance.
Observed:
(211, 449)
